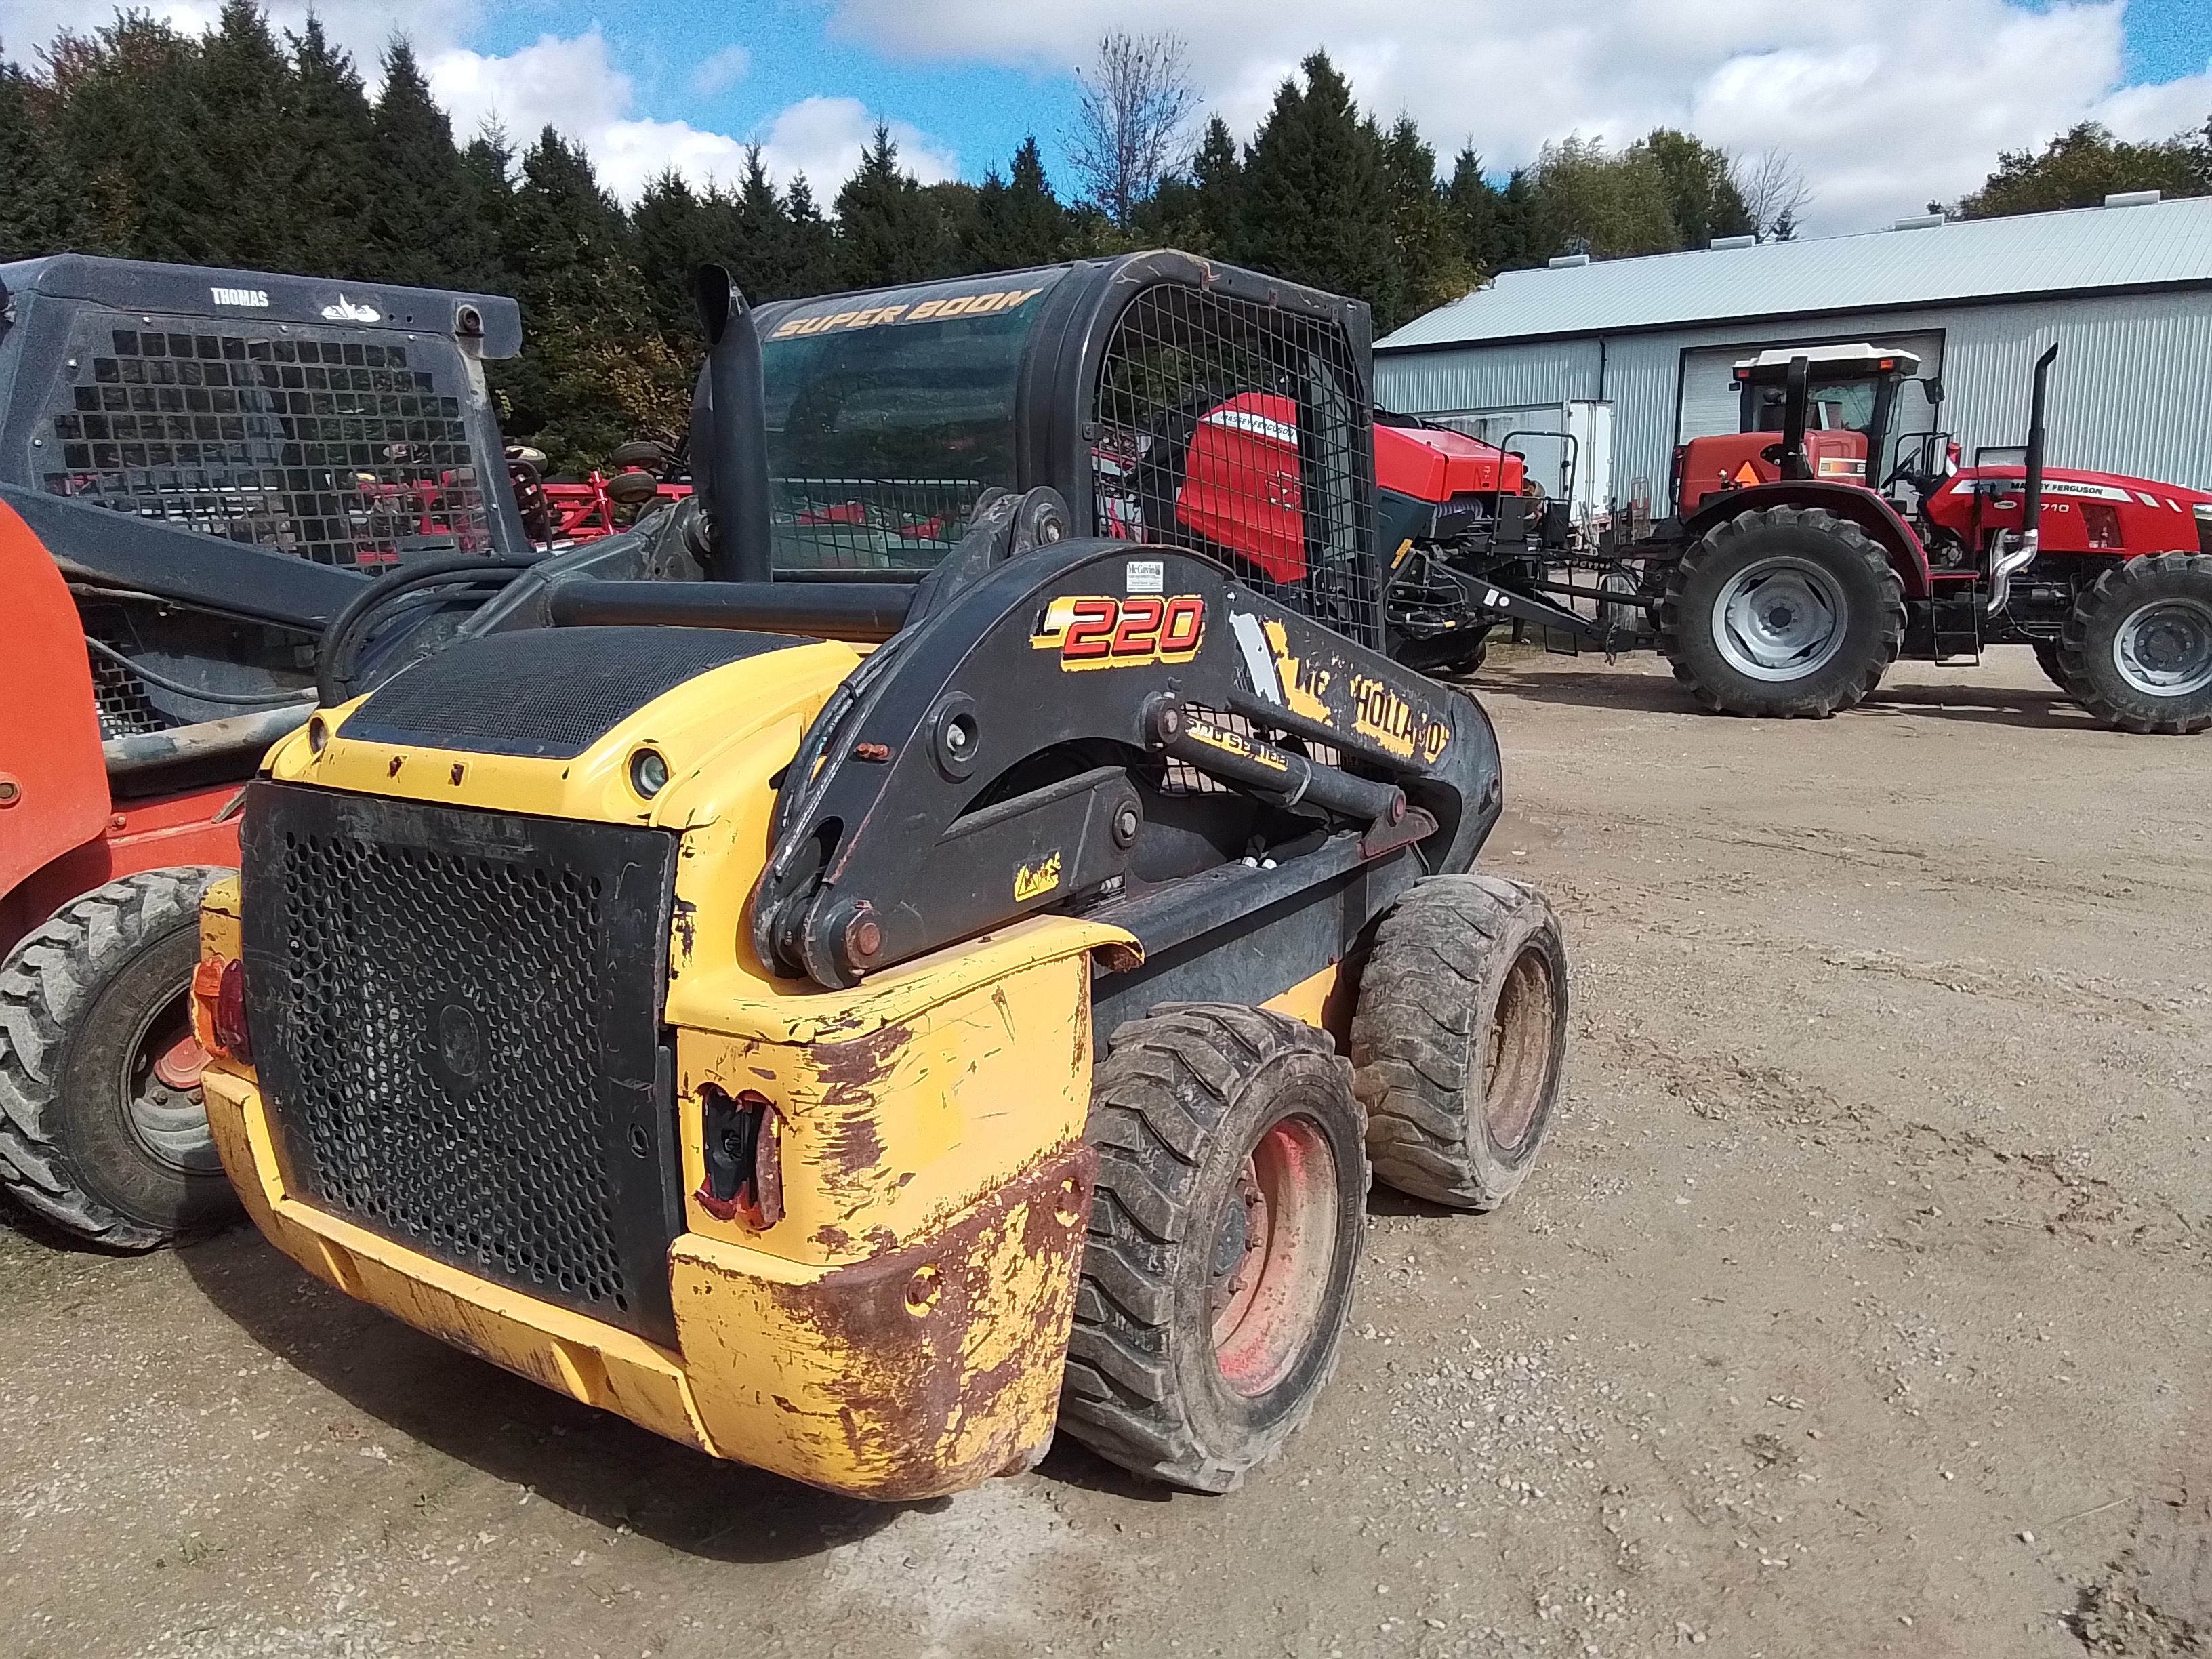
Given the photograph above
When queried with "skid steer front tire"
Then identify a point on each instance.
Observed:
(1791, 611)
(1230, 1210)
(93, 1136)
(1459, 1038)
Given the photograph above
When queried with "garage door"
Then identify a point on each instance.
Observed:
(1710, 401)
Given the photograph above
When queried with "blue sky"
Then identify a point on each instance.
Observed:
(1884, 105)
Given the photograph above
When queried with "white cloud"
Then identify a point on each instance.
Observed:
(825, 137)
(363, 27)
(722, 70)
(571, 85)
(1886, 104)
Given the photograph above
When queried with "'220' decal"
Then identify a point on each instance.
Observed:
(1100, 632)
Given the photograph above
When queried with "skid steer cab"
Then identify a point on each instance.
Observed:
(854, 1024)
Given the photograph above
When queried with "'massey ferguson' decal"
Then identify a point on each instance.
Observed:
(1097, 631)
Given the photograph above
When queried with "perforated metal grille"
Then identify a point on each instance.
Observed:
(1235, 429)
(444, 1047)
(121, 697)
(869, 524)
(546, 692)
(340, 450)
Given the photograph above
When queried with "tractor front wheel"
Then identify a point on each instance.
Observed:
(102, 1127)
(2136, 649)
(1787, 611)
(2047, 658)
(1231, 1207)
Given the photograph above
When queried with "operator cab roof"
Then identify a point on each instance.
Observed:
(1829, 361)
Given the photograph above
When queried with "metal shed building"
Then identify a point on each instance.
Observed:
(2125, 290)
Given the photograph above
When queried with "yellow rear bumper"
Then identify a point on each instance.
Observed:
(913, 1373)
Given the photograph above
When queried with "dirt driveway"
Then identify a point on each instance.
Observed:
(1864, 1305)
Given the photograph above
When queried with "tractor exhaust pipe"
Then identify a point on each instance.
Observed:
(1795, 390)
(2010, 561)
(729, 433)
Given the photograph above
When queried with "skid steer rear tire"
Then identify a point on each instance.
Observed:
(1459, 1038)
(91, 1137)
(1791, 611)
(1230, 1210)
(2136, 649)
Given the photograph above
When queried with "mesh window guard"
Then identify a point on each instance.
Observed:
(1232, 428)
(338, 450)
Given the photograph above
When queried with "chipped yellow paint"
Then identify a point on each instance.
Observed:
(1305, 1000)
(1305, 685)
(929, 1129)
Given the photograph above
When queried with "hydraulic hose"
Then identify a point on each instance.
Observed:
(340, 647)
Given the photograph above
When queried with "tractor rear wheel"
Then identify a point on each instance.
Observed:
(2136, 649)
(1789, 611)
(2047, 658)
(1230, 1208)
(102, 1127)
(1459, 1038)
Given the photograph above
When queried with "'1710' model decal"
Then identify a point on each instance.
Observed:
(1098, 631)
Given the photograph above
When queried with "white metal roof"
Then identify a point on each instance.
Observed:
(2154, 245)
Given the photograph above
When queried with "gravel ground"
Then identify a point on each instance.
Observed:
(1861, 1305)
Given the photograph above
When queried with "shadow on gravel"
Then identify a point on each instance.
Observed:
(588, 1461)
(1965, 702)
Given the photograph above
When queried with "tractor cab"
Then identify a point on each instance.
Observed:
(1808, 412)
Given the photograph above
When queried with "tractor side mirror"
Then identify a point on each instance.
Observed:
(1933, 389)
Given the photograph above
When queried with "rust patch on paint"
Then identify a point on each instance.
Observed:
(921, 1414)
(686, 925)
(849, 1072)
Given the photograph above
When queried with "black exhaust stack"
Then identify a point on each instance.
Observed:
(1795, 390)
(729, 433)
(2031, 521)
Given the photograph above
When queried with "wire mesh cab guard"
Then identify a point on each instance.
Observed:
(1168, 399)
(345, 424)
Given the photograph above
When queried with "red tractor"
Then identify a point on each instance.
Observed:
(1790, 579)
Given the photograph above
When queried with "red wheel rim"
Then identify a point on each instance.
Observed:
(1272, 1253)
(1517, 1062)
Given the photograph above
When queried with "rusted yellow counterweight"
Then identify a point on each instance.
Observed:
(893, 1321)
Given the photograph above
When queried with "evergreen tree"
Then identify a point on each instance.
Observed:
(888, 230)
(424, 222)
(1424, 230)
(38, 207)
(1702, 199)
(241, 127)
(811, 264)
(1317, 202)
(330, 169)
(675, 231)
(762, 258)
(595, 372)
(1218, 176)
(127, 128)
(1017, 222)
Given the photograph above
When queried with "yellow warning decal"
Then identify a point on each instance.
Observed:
(1035, 880)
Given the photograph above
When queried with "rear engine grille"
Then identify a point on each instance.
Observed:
(456, 1019)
